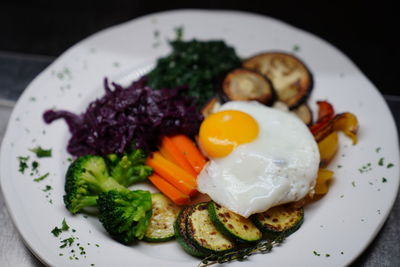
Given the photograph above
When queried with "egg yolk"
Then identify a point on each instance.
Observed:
(221, 132)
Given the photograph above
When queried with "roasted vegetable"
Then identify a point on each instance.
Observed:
(304, 113)
(129, 167)
(233, 225)
(182, 235)
(125, 214)
(327, 148)
(290, 77)
(325, 115)
(281, 220)
(203, 233)
(164, 214)
(346, 122)
(323, 179)
(244, 84)
(86, 178)
(210, 107)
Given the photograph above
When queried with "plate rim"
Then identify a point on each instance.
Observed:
(35, 251)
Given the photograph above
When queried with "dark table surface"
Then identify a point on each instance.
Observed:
(17, 70)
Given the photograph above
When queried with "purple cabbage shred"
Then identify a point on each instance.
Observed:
(136, 116)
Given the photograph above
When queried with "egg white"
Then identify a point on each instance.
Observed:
(278, 167)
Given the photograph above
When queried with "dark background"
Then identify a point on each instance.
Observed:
(366, 32)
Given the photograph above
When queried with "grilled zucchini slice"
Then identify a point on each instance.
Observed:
(290, 77)
(280, 220)
(181, 234)
(161, 227)
(233, 225)
(203, 233)
(304, 113)
(244, 84)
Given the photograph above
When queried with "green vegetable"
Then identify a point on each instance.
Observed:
(164, 214)
(86, 178)
(233, 225)
(129, 168)
(23, 164)
(40, 152)
(67, 242)
(125, 214)
(203, 234)
(197, 64)
(41, 178)
(281, 220)
(57, 231)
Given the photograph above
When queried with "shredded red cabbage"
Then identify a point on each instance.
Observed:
(134, 116)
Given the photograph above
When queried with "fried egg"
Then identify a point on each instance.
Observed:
(260, 157)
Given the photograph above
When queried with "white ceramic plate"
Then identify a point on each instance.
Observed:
(337, 228)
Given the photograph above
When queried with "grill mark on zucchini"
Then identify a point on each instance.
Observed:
(233, 225)
(203, 233)
(161, 227)
(182, 236)
(280, 220)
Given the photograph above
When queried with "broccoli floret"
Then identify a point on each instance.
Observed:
(129, 168)
(86, 178)
(125, 215)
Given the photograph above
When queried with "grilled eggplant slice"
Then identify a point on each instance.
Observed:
(181, 233)
(212, 106)
(233, 225)
(161, 227)
(279, 220)
(304, 113)
(203, 233)
(244, 84)
(290, 77)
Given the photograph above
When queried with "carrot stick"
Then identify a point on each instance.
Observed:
(172, 153)
(190, 151)
(181, 179)
(169, 190)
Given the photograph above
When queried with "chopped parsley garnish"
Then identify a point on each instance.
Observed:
(41, 178)
(327, 255)
(35, 166)
(366, 168)
(23, 164)
(67, 242)
(40, 152)
(384, 180)
(378, 149)
(64, 226)
(47, 188)
(296, 48)
(353, 184)
(56, 231)
(380, 162)
(390, 165)
(179, 33)
(316, 253)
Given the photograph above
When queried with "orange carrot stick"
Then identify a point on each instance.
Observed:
(190, 151)
(172, 153)
(169, 190)
(178, 177)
